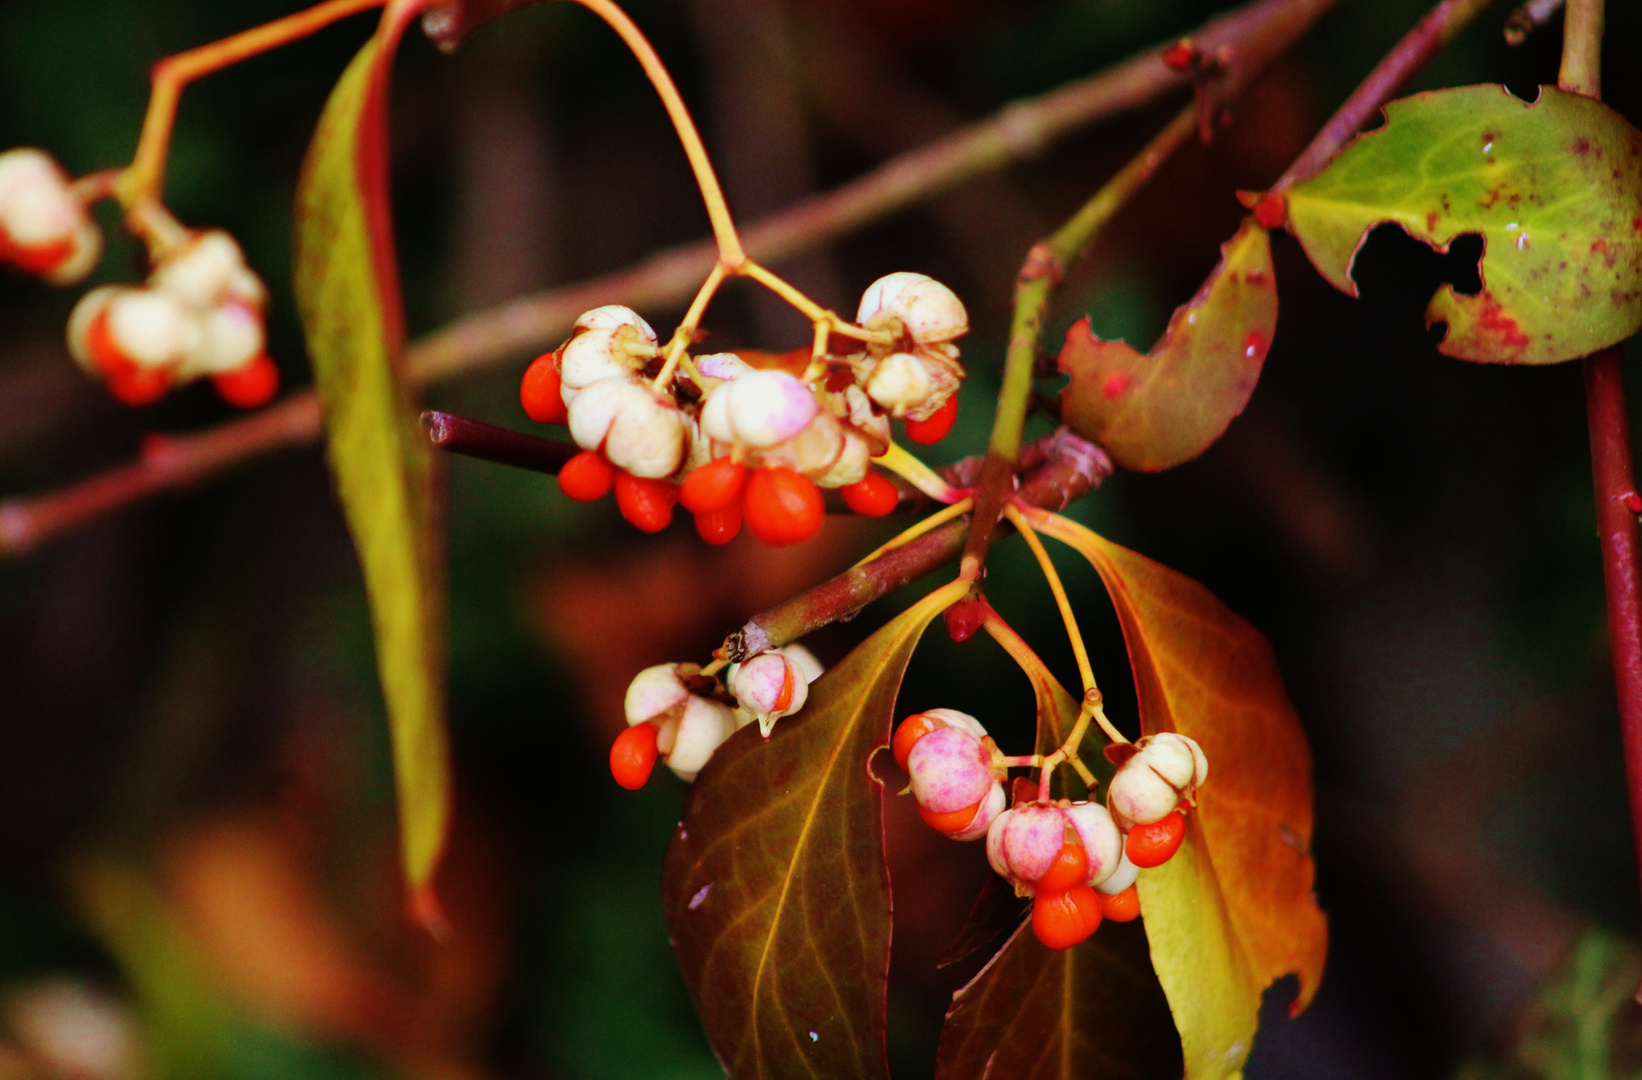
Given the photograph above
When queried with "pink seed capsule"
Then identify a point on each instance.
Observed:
(951, 769)
(929, 311)
(770, 686)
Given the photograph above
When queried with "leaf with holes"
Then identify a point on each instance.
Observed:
(1233, 911)
(775, 887)
(1154, 411)
(1554, 188)
(1038, 1014)
(348, 298)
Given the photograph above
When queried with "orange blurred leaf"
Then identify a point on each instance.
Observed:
(1234, 910)
(1152, 412)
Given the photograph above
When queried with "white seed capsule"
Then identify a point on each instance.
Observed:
(701, 730)
(928, 310)
(151, 329)
(954, 718)
(617, 352)
(812, 451)
(1164, 769)
(724, 366)
(647, 438)
(851, 464)
(804, 660)
(900, 383)
(768, 407)
(204, 271)
(1125, 875)
(611, 316)
(769, 686)
(654, 694)
(1102, 842)
(715, 416)
(85, 251)
(231, 336)
(37, 205)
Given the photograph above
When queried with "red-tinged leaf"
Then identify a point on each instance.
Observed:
(348, 297)
(1154, 412)
(775, 887)
(1554, 188)
(996, 909)
(1091, 1011)
(1233, 910)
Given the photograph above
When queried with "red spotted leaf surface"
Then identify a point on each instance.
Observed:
(1156, 410)
(775, 888)
(348, 298)
(1094, 1010)
(1234, 910)
(1554, 188)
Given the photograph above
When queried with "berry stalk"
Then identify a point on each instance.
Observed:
(1044, 269)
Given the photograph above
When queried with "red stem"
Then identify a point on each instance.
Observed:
(1616, 500)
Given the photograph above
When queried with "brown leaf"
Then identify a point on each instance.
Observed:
(1095, 1010)
(1234, 910)
(775, 888)
(1154, 412)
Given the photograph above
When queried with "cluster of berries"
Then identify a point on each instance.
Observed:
(200, 314)
(682, 716)
(740, 444)
(1077, 860)
(44, 227)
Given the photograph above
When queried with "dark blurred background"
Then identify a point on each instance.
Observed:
(197, 872)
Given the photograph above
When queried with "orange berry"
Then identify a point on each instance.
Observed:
(44, 258)
(251, 386)
(587, 476)
(719, 526)
(956, 821)
(714, 486)
(1124, 907)
(1062, 920)
(783, 507)
(935, 428)
(1155, 844)
(1071, 866)
(132, 385)
(633, 756)
(648, 504)
(871, 497)
(911, 730)
(539, 391)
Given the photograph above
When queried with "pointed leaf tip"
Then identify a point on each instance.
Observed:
(1155, 411)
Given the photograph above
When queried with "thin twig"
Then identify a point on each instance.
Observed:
(1529, 18)
(1391, 74)
(1045, 268)
(1071, 468)
(1607, 415)
(485, 339)
(504, 446)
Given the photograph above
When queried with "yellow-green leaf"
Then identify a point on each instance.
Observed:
(347, 294)
(1554, 188)
(775, 887)
(1234, 910)
(1154, 411)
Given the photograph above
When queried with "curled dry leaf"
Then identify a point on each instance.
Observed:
(348, 298)
(1554, 188)
(1234, 909)
(1154, 411)
(775, 888)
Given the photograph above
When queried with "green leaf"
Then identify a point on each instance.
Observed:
(1554, 188)
(1234, 909)
(775, 887)
(1094, 1010)
(1155, 411)
(348, 298)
